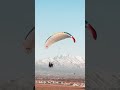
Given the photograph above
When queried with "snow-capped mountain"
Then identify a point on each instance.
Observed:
(63, 65)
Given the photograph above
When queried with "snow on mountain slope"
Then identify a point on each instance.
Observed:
(63, 65)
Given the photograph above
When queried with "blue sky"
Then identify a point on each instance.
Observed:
(53, 16)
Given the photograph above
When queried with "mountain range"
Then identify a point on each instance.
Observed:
(64, 65)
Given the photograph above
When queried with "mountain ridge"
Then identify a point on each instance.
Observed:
(63, 65)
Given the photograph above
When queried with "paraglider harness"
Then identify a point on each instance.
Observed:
(50, 64)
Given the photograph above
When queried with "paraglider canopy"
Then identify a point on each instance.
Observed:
(32, 30)
(58, 37)
(29, 41)
(91, 29)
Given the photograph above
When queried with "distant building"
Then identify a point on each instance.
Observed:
(82, 84)
(75, 84)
